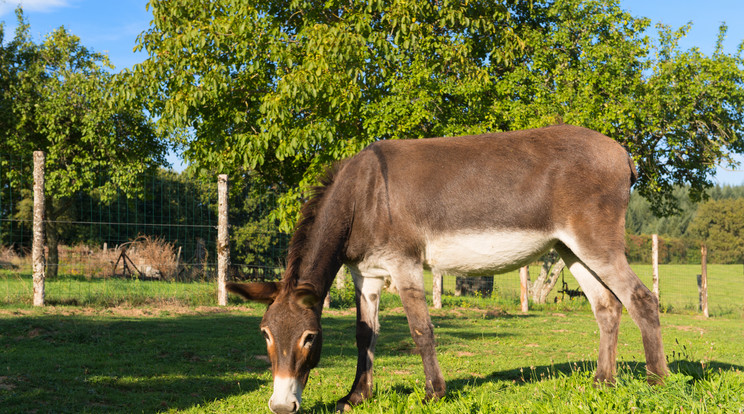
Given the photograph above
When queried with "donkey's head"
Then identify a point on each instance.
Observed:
(291, 327)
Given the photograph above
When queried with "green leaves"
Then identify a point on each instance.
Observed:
(285, 89)
(60, 98)
(720, 224)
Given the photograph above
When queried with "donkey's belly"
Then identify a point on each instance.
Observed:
(485, 252)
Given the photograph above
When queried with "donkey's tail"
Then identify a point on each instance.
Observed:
(633, 170)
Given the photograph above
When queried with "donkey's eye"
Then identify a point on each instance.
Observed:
(308, 341)
(267, 337)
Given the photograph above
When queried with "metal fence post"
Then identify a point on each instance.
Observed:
(223, 246)
(37, 252)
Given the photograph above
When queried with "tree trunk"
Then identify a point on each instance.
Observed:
(55, 211)
(551, 268)
(548, 287)
(52, 241)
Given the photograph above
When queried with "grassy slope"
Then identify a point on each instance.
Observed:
(210, 360)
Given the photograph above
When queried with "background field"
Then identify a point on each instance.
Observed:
(207, 359)
(677, 285)
(679, 291)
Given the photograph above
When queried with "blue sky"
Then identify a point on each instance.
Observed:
(112, 26)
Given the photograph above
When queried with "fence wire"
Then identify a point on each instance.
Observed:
(157, 242)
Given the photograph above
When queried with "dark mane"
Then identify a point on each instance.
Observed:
(300, 236)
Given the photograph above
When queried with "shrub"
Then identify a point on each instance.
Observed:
(154, 257)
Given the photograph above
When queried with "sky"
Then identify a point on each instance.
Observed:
(112, 26)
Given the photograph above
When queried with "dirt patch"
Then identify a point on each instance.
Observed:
(464, 354)
(124, 311)
(33, 333)
(495, 313)
(5, 384)
(340, 312)
(688, 328)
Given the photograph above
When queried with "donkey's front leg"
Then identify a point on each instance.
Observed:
(412, 294)
(367, 328)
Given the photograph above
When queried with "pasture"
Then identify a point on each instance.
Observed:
(679, 292)
(212, 360)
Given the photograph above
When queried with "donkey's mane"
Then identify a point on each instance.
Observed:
(301, 234)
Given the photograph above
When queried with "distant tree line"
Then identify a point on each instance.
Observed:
(717, 222)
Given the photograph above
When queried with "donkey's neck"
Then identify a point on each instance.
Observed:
(316, 248)
(323, 250)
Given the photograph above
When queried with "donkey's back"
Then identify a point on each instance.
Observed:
(486, 203)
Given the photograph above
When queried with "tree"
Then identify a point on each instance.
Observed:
(281, 90)
(551, 267)
(59, 97)
(720, 224)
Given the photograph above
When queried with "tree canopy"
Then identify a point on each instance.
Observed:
(59, 97)
(279, 90)
(720, 224)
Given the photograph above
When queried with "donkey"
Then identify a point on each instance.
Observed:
(462, 205)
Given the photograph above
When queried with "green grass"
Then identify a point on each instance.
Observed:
(17, 289)
(209, 360)
(679, 292)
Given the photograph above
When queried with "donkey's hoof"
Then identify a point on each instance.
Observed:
(343, 406)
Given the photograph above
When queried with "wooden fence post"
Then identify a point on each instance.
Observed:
(704, 280)
(524, 281)
(436, 288)
(37, 252)
(655, 264)
(223, 245)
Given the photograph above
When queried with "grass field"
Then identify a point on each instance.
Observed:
(17, 289)
(679, 292)
(212, 360)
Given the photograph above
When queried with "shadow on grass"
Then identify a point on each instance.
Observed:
(532, 374)
(114, 364)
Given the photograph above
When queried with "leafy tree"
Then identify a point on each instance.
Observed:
(281, 89)
(721, 225)
(59, 97)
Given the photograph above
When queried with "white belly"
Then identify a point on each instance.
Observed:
(473, 253)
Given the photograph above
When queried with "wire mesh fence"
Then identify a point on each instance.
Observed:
(158, 242)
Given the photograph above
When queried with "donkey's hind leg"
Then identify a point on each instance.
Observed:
(367, 328)
(607, 310)
(612, 269)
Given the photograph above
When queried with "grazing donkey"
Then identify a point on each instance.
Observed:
(464, 205)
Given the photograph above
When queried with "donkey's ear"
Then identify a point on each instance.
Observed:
(264, 292)
(305, 296)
